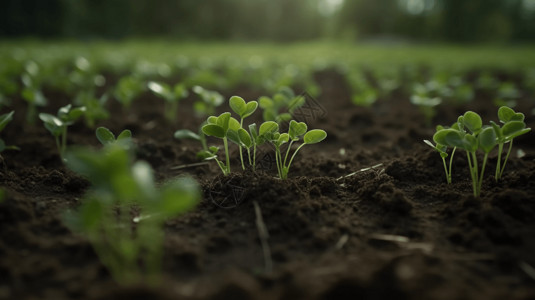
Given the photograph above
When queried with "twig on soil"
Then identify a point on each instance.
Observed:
(341, 242)
(529, 270)
(361, 170)
(264, 236)
(189, 165)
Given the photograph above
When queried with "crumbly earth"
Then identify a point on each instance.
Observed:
(395, 231)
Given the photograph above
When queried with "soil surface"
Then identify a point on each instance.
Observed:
(366, 214)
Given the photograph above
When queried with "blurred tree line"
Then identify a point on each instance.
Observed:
(279, 20)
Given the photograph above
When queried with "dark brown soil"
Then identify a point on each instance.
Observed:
(396, 231)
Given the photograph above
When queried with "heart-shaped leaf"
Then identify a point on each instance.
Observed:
(211, 120)
(268, 127)
(281, 139)
(472, 121)
(125, 134)
(223, 121)
(233, 136)
(297, 129)
(505, 114)
(513, 129)
(233, 124)
(50, 119)
(314, 136)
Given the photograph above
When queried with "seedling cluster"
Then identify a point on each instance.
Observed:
(469, 134)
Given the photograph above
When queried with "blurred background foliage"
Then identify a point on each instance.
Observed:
(466, 21)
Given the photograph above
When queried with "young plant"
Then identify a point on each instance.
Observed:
(127, 89)
(57, 125)
(95, 108)
(33, 95)
(4, 120)
(241, 136)
(209, 101)
(171, 96)
(295, 131)
(475, 137)
(442, 150)
(131, 248)
(513, 126)
(106, 137)
(281, 107)
(219, 127)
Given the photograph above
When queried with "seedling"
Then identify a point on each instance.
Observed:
(127, 89)
(295, 131)
(281, 107)
(4, 120)
(106, 137)
(470, 135)
(220, 127)
(95, 109)
(209, 101)
(57, 125)
(241, 136)
(33, 95)
(513, 126)
(442, 150)
(132, 254)
(171, 96)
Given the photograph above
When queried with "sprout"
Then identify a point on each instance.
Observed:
(220, 127)
(4, 120)
(106, 137)
(241, 136)
(57, 125)
(171, 96)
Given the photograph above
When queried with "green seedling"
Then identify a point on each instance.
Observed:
(4, 120)
(220, 127)
(95, 109)
(206, 153)
(123, 213)
(127, 89)
(106, 137)
(281, 107)
(442, 150)
(171, 95)
(241, 136)
(259, 137)
(513, 126)
(57, 125)
(208, 103)
(470, 135)
(295, 132)
(32, 94)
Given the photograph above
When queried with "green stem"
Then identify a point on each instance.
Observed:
(482, 173)
(446, 170)
(278, 161)
(241, 154)
(476, 174)
(225, 142)
(293, 156)
(474, 185)
(287, 152)
(451, 162)
(63, 141)
(506, 158)
(254, 156)
(499, 162)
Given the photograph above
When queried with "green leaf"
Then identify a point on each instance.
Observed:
(314, 136)
(50, 119)
(297, 129)
(125, 134)
(513, 129)
(186, 134)
(245, 138)
(487, 139)
(472, 121)
(265, 102)
(497, 131)
(105, 136)
(282, 138)
(233, 136)
(268, 127)
(250, 109)
(180, 91)
(223, 121)
(5, 119)
(76, 113)
(470, 143)
(214, 130)
(179, 196)
(233, 124)
(211, 120)
(237, 104)
(506, 114)
(253, 131)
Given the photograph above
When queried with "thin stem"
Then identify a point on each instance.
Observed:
(474, 185)
(446, 170)
(63, 140)
(451, 162)
(499, 162)
(254, 156)
(482, 172)
(287, 152)
(293, 156)
(241, 154)
(225, 142)
(476, 173)
(277, 161)
(506, 158)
